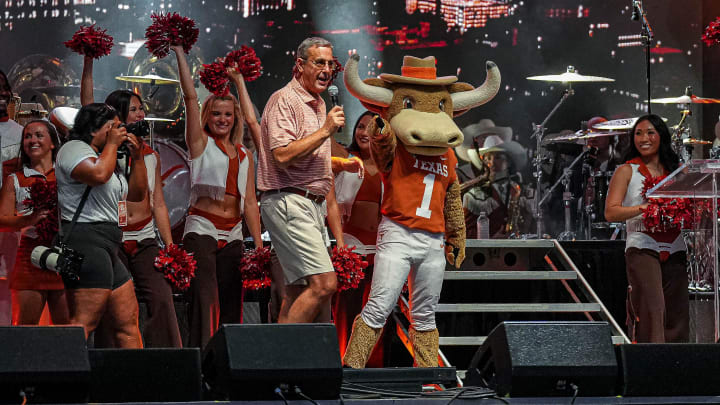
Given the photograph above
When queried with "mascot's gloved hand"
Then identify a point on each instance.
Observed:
(455, 254)
(382, 143)
(454, 226)
(379, 128)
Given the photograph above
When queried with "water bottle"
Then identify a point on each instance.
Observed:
(483, 226)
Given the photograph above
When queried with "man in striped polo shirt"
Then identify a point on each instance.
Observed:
(294, 176)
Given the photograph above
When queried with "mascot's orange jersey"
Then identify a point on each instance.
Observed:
(415, 189)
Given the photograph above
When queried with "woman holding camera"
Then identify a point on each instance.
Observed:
(222, 193)
(139, 247)
(104, 288)
(31, 287)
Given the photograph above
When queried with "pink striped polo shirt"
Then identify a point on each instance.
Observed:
(290, 114)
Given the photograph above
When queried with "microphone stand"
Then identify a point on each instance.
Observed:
(538, 133)
(647, 36)
(567, 234)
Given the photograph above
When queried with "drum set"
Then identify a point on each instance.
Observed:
(593, 152)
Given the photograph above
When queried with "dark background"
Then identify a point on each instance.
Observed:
(534, 38)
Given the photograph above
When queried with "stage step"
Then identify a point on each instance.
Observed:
(462, 340)
(510, 275)
(514, 307)
(478, 340)
(508, 262)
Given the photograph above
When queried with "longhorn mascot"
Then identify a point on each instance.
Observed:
(422, 224)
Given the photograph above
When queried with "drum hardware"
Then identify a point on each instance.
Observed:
(570, 76)
(152, 121)
(567, 234)
(647, 35)
(715, 152)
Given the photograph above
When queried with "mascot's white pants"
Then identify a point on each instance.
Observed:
(402, 251)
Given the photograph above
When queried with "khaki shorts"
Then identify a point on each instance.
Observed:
(297, 232)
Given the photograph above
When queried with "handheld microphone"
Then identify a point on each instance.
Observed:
(333, 92)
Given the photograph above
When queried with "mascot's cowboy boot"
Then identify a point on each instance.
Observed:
(426, 346)
(362, 342)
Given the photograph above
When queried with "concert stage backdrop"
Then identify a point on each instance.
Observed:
(524, 38)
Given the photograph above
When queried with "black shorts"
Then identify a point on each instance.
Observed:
(101, 267)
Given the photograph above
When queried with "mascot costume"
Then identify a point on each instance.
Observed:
(423, 225)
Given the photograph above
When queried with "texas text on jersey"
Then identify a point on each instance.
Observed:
(415, 189)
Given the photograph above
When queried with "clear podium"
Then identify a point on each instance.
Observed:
(698, 180)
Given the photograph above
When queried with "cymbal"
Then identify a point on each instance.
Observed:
(570, 76)
(685, 99)
(693, 141)
(619, 124)
(151, 79)
(582, 135)
(158, 119)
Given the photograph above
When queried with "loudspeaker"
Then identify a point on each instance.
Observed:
(546, 359)
(145, 375)
(48, 364)
(670, 369)
(252, 361)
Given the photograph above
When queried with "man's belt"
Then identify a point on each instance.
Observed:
(318, 199)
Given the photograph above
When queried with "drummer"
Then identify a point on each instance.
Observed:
(139, 239)
(606, 158)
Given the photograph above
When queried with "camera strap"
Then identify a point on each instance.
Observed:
(64, 238)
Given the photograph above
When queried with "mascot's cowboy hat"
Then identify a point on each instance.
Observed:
(473, 136)
(494, 143)
(419, 71)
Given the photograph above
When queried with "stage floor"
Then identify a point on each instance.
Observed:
(512, 401)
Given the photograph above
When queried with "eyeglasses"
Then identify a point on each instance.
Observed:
(321, 63)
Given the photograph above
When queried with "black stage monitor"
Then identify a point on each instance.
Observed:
(44, 363)
(145, 375)
(546, 359)
(670, 369)
(253, 361)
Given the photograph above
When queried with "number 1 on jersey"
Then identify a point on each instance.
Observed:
(424, 209)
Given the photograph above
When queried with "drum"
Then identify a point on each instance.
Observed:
(175, 173)
(63, 118)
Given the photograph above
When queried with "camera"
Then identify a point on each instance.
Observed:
(60, 259)
(140, 129)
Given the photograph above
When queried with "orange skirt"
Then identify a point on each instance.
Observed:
(25, 276)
